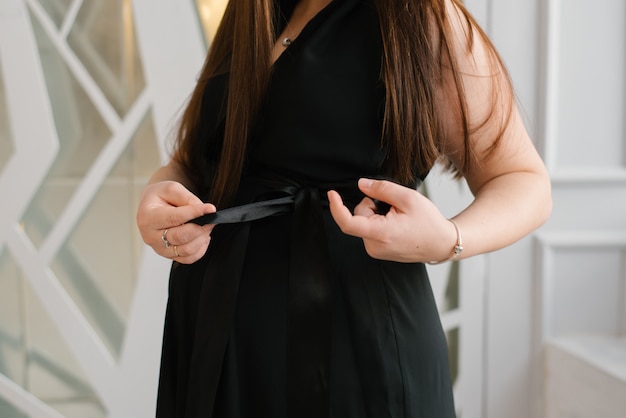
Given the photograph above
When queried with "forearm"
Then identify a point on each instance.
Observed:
(505, 209)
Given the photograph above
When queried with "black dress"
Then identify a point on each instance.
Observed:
(286, 316)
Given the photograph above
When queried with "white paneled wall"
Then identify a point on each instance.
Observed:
(581, 280)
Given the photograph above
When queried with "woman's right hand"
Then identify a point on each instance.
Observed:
(164, 209)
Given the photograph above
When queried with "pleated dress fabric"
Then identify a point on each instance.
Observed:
(286, 316)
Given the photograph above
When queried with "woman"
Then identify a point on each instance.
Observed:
(312, 299)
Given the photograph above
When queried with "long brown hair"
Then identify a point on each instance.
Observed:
(417, 51)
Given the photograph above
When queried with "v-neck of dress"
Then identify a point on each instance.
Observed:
(308, 28)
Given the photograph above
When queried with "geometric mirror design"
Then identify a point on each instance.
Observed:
(103, 289)
(103, 38)
(53, 374)
(34, 355)
(56, 9)
(82, 135)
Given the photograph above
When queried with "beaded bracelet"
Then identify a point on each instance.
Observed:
(458, 248)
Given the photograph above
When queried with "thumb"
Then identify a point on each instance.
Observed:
(396, 195)
(178, 195)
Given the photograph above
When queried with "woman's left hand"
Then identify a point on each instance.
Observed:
(413, 230)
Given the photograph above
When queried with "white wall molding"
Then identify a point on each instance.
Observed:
(548, 243)
(551, 73)
(589, 176)
(557, 45)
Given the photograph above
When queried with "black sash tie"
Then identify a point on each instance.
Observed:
(309, 299)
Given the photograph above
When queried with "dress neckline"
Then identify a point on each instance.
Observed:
(308, 28)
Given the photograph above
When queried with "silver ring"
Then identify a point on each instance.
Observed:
(176, 251)
(164, 239)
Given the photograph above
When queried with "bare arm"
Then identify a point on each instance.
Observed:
(510, 183)
(512, 196)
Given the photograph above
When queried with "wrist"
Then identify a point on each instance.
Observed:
(457, 249)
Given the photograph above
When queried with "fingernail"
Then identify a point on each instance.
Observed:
(365, 183)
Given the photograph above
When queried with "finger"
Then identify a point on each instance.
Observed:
(366, 208)
(192, 251)
(168, 204)
(169, 217)
(176, 194)
(186, 233)
(340, 213)
(358, 226)
(396, 195)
